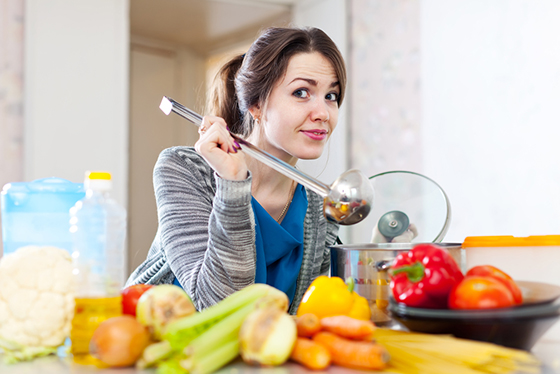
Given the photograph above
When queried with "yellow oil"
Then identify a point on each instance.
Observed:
(88, 315)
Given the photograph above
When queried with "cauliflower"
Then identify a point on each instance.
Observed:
(36, 298)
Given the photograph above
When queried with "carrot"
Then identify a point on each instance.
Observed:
(352, 353)
(308, 324)
(348, 327)
(310, 354)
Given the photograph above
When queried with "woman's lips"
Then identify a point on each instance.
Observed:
(315, 134)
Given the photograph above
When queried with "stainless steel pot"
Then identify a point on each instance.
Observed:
(367, 265)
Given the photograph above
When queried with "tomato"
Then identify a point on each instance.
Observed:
(477, 292)
(494, 272)
(130, 296)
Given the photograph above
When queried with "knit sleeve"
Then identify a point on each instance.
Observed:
(206, 229)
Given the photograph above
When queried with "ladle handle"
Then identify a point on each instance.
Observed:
(169, 105)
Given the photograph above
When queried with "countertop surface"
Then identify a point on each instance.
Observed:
(548, 353)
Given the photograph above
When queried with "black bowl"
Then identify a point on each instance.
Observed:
(515, 327)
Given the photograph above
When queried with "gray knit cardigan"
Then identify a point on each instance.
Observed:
(206, 233)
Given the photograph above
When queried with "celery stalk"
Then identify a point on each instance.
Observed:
(214, 360)
(182, 331)
(170, 366)
(154, 353)
(226, 329)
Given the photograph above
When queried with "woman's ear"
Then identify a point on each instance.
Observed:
(255, 112)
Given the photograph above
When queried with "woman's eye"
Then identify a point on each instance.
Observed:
(333, 96)
(301, 93)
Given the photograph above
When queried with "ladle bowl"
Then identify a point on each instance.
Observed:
(347, 201)
(349, 198)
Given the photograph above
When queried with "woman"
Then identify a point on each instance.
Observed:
(227, 220)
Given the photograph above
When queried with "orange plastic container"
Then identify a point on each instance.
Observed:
(531, 258)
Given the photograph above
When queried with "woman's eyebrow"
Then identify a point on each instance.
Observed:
(313, 82)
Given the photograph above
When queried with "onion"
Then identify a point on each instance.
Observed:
(267, 337)
(119, 341)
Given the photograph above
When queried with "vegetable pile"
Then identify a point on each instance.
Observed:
(170, 335)
(161, 329)
(36, 301)
(252, 323)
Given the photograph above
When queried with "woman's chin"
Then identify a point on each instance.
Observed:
(306, 152)
(309, 157)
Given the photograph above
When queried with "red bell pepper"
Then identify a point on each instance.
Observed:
(424, 276)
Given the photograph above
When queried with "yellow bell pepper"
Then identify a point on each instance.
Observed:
(330, 296)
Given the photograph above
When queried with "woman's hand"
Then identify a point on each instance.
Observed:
(220, 150)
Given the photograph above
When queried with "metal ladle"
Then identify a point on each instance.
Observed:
(347, 201)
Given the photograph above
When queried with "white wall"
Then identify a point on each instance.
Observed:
(76, 89)
(490, 87)
(329, 16)
(385, 107)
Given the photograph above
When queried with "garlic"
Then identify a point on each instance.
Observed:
(161, 305)
(267, 337)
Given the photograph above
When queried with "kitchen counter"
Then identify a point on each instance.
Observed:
(547, 351)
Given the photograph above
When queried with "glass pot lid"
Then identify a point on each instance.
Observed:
(407, 207)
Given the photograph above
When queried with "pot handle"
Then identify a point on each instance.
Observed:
(383, 265)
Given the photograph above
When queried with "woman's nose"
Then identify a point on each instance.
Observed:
(320, 112)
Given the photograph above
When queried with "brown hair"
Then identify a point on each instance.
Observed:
(247, 80)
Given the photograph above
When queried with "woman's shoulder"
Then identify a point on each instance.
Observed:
(183, 156)
(183, 162)
(185, 153)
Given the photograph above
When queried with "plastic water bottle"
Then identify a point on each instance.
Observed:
(98, 231)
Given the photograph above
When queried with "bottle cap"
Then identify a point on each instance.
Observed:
(98, 175)
(98, 180)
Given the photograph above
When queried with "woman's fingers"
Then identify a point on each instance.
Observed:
(214, 129)
(219, 149)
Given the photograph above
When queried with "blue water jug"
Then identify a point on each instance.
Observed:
(37, 213)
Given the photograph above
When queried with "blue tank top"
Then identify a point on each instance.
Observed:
(280, 245)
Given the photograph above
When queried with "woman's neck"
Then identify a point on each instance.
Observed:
(271, 189)
(265, 179)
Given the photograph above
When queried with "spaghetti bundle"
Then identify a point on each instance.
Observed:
(425, 353)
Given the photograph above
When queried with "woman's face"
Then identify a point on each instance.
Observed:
(302, 110)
